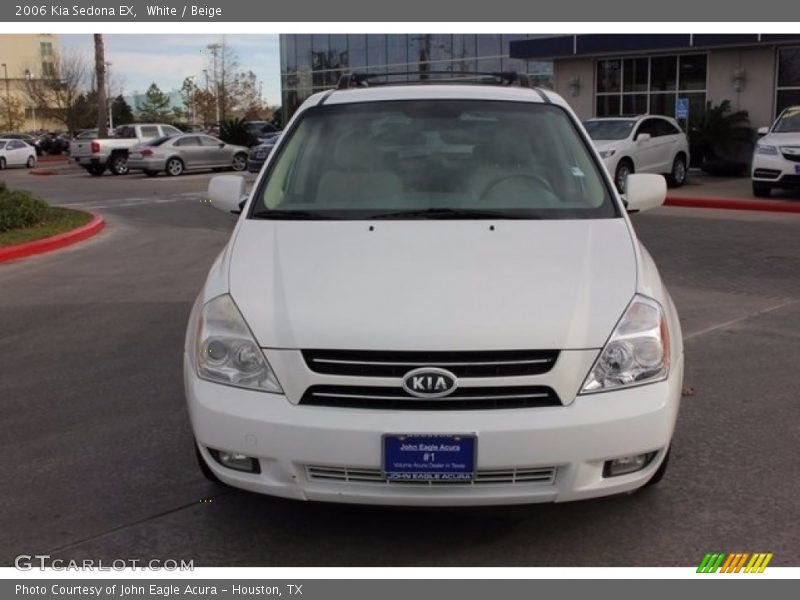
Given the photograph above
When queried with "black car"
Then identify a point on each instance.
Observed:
(259, 154)
(52, 143)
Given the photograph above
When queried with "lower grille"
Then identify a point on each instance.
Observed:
(790, 179)
(766, 173)
(473, 398)
(518, 476)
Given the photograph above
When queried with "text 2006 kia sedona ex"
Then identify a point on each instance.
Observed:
(434, 296)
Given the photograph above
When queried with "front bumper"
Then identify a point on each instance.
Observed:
(776, 170)
(575, 440)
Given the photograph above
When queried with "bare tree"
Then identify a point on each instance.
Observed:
(100, 75)
(58, 91)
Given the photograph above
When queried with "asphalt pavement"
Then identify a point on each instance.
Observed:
(97, 451)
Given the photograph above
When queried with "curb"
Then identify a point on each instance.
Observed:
(43, 172)
(54, 242)
(730, 204)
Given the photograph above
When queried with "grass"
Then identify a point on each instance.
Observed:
(58, 220)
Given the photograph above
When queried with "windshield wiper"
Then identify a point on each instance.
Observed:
(450, 213)
(293, 215)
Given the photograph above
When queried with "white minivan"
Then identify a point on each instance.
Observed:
(434, 296)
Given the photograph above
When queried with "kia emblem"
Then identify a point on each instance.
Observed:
(429, 382)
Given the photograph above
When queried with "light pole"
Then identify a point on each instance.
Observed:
(214, 49)
(108, 98)
(8, 96)
(29, 77)
(192, 78)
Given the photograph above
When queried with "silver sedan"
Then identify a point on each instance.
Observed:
(179, 153)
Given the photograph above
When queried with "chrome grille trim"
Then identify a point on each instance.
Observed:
(512, 476)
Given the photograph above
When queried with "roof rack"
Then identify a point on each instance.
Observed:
(355, 80)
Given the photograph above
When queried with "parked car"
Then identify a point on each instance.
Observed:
(29, 139)
(54, 143)
(16, 153)
(776, 160)
(96, 155)
(434, 296)
(177, 154)
(642, 144)
(259, 154)
(260, 130)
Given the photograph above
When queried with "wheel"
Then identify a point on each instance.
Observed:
(119, 164)
(96, 170)
(204, 468)
(677, 176)
(659, 474)
(151, 173)
(174, 167)
(31, 162)
(239, 162)
(2, 163)
(624, 168)
(761, 190)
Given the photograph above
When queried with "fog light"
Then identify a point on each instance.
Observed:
(236, 461)
(627, 464)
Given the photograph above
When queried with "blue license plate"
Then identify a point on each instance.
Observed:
(429, 457)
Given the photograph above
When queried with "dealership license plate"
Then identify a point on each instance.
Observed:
(429, 457)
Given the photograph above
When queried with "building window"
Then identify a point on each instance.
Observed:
(650, 85)
(48, 69)
(46, 48)
(788, 89)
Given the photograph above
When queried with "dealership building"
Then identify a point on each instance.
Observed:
(598, 74)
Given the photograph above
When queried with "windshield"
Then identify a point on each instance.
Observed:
(434, 159)
(789, 121)
(612, 129)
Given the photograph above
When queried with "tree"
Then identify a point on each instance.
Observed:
(121, 111)
(57, 91)
(156, 105)
(12, 112)
(100, 76)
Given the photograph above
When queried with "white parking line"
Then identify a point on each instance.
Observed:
(757, 313)
(122, 202)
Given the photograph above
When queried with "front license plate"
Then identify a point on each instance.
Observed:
(429, 457)
(797, 169)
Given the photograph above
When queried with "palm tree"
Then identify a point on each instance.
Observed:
(719, 135)
(100, 75)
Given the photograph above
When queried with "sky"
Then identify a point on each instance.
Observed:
(139, 60)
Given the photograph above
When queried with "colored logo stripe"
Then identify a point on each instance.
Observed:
(735, 562)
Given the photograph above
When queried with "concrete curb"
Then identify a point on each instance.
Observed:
(731, 204)
(43, 172)
(54, 242)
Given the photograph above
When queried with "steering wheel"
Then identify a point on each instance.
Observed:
(538, 179)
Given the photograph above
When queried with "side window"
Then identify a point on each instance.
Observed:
(167, 130)
(646, 126)
(666, 128)
(187, 141)
(206, 140)
(15, 145)
(125, 132)
(149, 132)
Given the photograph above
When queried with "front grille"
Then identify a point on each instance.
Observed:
(381, 363)
(518, 476)
(390, 398)
(766, 173)
(791, 179)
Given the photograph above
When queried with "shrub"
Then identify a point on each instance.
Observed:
(234, 131)
(19, 209)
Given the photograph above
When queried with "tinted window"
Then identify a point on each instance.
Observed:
(167, 130)
(613, 129)
(648, 126)
(207, 140)
(15, 145)
(3, 145)
(389, 159)
(663, 127)
(126, 132)
(187, 141)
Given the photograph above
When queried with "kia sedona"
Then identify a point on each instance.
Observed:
(433, 295)
(776, 160)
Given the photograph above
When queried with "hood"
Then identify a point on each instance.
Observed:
(780, 139)
(606, 144)
(432, 284)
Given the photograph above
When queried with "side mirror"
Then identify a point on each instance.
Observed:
(645, 191)
(226, 193)
(643, 137)
(763, 130)
(222, 144)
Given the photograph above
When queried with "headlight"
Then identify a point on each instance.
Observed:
(766, 149)
(636, 353)
(606, 153)
(226, 351)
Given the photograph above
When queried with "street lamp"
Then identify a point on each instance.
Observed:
(29, 77)
(8, 96)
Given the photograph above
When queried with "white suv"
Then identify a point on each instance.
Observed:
(644, 144)
(434, 296)
(776, 160)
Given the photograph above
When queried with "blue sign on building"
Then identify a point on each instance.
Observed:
(682, 108)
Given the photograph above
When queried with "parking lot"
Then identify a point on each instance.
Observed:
(98, 458)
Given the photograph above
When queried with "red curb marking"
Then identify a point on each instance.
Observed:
(729, 204)
(53, 242)
(42, 172)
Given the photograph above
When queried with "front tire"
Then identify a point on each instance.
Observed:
(761, 190)
(119, 165)
(175, 167)
(96, 170)
(624, 168)
(239, 162)
(659, 474)
(2, 163)
(204, 468)
(31, 162)
(677, 176)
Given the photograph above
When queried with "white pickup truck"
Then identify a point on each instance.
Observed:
(98, 154)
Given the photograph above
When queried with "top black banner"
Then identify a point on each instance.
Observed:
(54, 11)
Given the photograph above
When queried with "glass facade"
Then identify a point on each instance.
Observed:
(315, 62)
(788, 88)
(651, 84)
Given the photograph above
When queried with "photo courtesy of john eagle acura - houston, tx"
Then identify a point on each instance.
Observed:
(433, 295)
